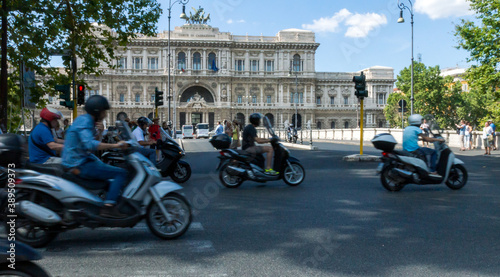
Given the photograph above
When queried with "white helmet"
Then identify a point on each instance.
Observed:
(415, 119)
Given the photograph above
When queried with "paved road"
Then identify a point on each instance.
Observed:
(339, 222)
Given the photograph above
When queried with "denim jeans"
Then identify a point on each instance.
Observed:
(97, 170)
(149, 153)
(430, 152)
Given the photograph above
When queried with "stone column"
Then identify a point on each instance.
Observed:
(188, 59)
(261, 62)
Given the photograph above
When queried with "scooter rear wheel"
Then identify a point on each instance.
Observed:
(227, 180)
(458, 177)
(388, 182)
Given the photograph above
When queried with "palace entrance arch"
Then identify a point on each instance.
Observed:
(195, 105)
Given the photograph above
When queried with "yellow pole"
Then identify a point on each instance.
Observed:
(361, 126)
(156, 112)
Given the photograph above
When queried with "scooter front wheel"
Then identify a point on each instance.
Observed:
(181, 172)
(390, 183)
(180, 211)
(457, 178)
(294, 174)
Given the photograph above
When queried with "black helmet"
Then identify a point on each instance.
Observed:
(96, 104)
(144, 120)
(255, 119)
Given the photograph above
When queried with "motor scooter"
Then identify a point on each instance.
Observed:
(236, 166)
(399, 168)
(170, 163)
(21, 264)
(50, 201)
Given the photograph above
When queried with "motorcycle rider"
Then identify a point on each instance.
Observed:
(140, 134)
(410, 141)
(290, 133)
(78, 159)
(250, 138)
(42, 144)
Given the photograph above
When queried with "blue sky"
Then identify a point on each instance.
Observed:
(353, 34)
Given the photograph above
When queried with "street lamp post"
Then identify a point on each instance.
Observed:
(296, 98)
(402, 20)
(183, 16)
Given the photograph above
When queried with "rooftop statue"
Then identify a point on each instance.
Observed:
(198, 17)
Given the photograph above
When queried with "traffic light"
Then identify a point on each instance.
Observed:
(158, 98)
(81, 94)
(65, 94)
(360, 86)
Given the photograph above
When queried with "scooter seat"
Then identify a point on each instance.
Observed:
(404, 153)
(86, 183)
(51, 169)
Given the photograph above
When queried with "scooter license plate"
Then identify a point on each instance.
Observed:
(380, 167)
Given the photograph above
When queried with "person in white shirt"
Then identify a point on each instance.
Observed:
(487, 132)
(143, 124)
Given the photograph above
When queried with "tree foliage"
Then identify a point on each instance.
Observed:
(433, 94)
(482, 40)
(94, 29)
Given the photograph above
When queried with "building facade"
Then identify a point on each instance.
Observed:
(216, 75)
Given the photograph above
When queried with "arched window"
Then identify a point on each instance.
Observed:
(196, 61)
(212, 61)
(181, 61)
(137, 98)
(346, 124)
(332, 125)
(296, 63)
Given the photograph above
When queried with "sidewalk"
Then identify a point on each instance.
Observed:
(324, 144)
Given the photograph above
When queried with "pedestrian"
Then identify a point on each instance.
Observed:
(494, 128)
(487, 138)
(468, 136)
(66, 124)
(228, 128)
(235, 135)
(461, 132)
(220, 129)
(425, 128)
(58, 133)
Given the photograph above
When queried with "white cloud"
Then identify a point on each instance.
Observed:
(328, 24)
(436, 9)
(230, 21)
(359, 25)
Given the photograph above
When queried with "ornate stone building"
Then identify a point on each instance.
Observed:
(216, 75)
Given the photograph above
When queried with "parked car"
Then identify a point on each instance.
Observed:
(187, 131)
(178, 134)
(202, 130)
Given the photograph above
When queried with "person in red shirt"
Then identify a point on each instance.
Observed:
(154, 130)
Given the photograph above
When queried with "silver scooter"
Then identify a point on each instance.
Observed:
(399, 167)
(52, 202)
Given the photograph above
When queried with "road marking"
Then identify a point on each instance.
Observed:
(201, 246)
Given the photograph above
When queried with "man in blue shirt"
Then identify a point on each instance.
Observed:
(494, 127)
(78, 159)
(41, 144)
(220, 129)
(410, 140)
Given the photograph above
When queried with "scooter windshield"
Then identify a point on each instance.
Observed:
(166, 137)
(433, 125)
(125, 133)
(268, 125)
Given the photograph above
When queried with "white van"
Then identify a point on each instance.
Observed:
(202, 130)
(187, 131)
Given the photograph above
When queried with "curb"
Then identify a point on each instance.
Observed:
(361, 158)
(299, 146)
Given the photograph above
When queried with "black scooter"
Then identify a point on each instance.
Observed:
(237, 166)
(169, 165)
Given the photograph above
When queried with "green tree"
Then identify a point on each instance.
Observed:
(433, 95)
(94, 29)
(481, 39)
